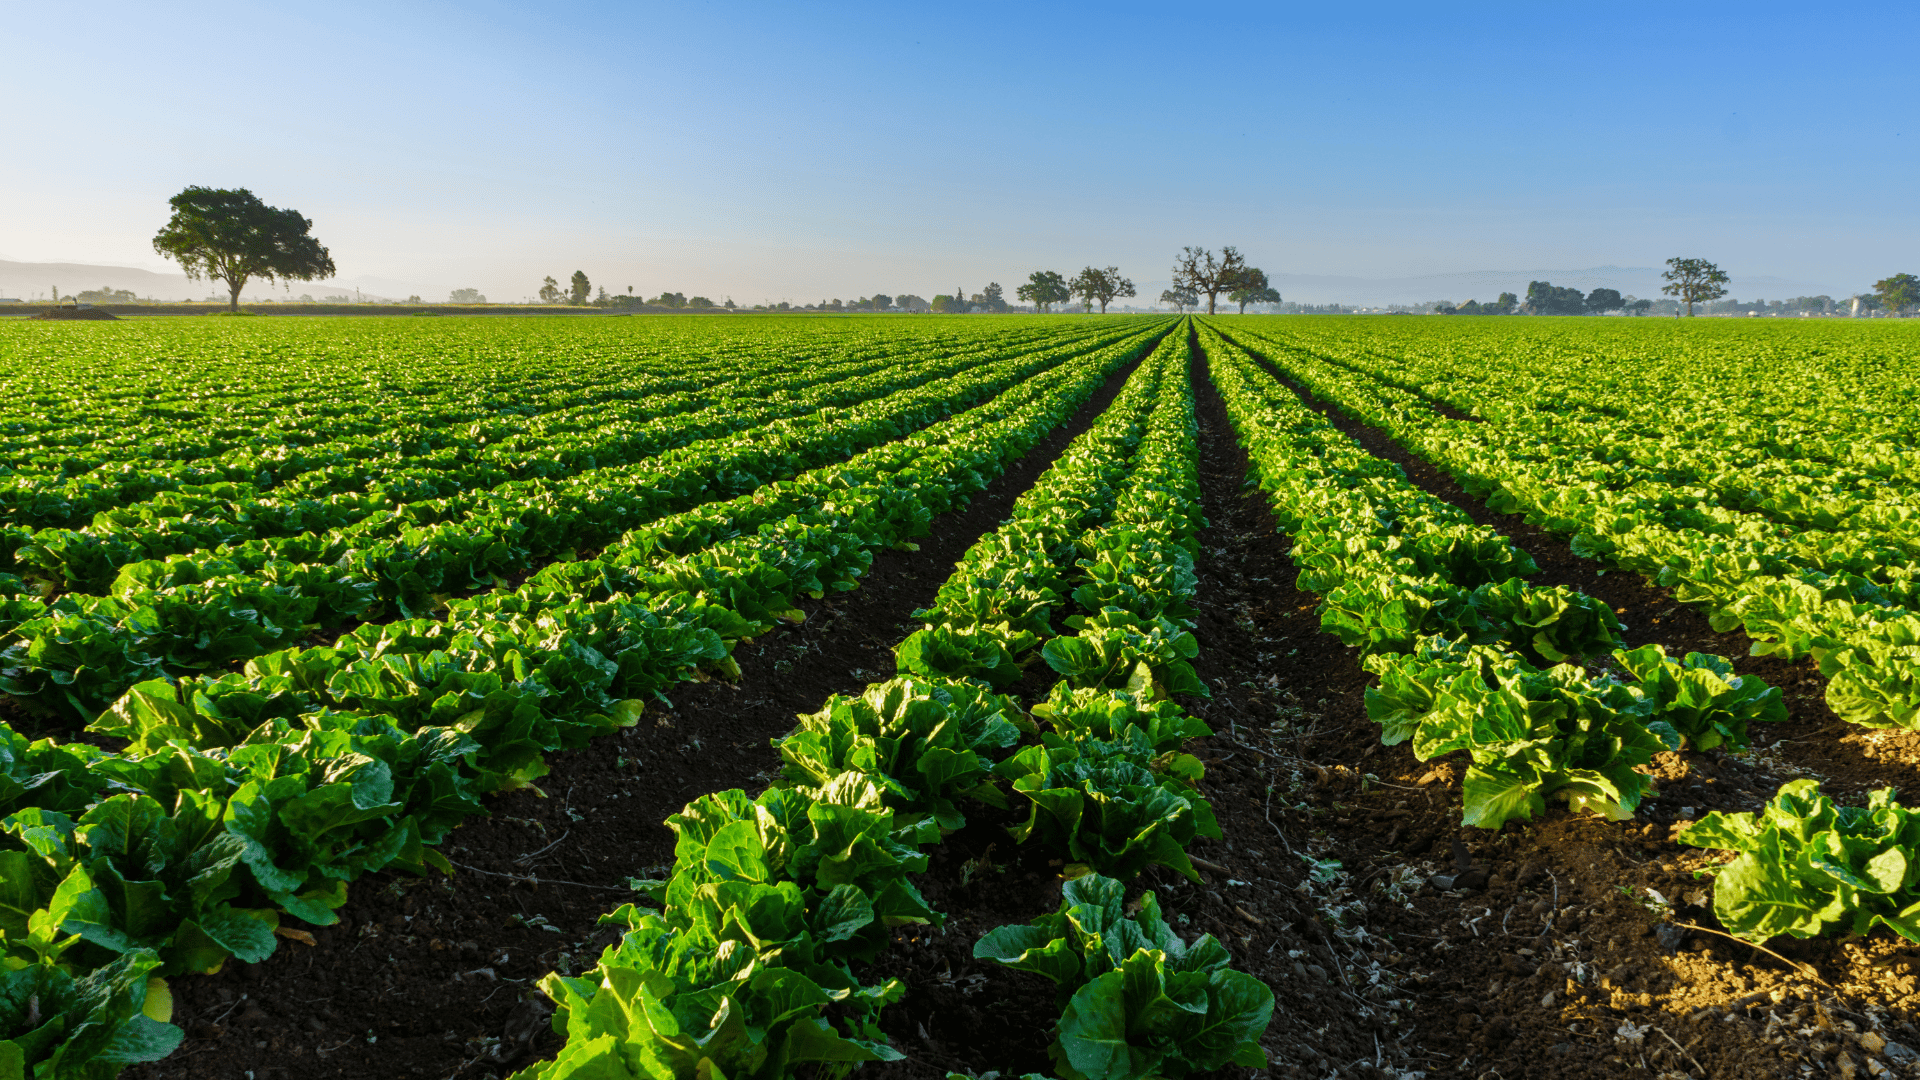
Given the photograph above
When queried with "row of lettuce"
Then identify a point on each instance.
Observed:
(1837, 579)
(746, 965)
(174, 615)
(1812, 433)
(279, 434)
(1457, 639)
(420, 453)
(1469, 655)
(250, 797)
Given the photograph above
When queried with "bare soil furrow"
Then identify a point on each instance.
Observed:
(1564, 955)
(963, 1014)
(1849, 760)
(434, 978)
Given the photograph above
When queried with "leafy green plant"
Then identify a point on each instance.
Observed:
(1532, 733)
(1807, 867)
(1080, 713)
(1701, 697)
(1136, 1000)
(729, 987)
(1117, 649)
(62, 1026)
(1114, 806)
(921, 742)
(968, 652)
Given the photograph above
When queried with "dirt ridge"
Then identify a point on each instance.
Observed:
(1849, 760)
(1560, 963)
(433, 978)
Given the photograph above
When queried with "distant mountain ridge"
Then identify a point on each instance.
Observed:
(24, 280)
(37, 280)
(1485, 285)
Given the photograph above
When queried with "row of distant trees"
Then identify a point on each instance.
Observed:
(233, 237)
(1546, 298)
(1690, 282)
(1094, 285)
(1694, 281)
(1198, 272)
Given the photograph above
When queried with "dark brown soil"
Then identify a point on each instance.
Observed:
(1552, 964)
(1260, 651)
(1560, 962)
(434, 978)
(67, 314)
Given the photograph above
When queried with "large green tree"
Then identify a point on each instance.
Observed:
(1253, 288)
(1198, 270)
(231, 236)
(1694, 281)
(1546, 298)
(578, 288)
(1044, 288)
(1897, 292)
(1095, 284)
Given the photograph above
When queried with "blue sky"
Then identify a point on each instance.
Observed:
(768, 151)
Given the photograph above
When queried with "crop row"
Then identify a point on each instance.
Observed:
(188, 613)
(1804, 866)
(171, 507)
(385, 489)
(1833, 517)
(1756, 397)
(253, 796)
(1462, 644)
(227, 398)
(769, 905)
(1794, 594)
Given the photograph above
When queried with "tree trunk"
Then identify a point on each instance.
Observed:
(1210, 297)
(238, 283)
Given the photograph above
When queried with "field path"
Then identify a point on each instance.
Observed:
(1485, 969)
(397, 966)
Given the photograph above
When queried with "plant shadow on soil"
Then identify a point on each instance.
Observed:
(1564, 963)
(1548, 970)
(434, 977)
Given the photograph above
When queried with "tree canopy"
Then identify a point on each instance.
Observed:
(1600, 300)
(1694, 281)
(578, 288)
(1095, 284)
(1044, 288)
(1253, 288)
(1897, 292)
(1546, 298)
(1198, 271)
(231, 236)
(549, 290)
(1180, 298)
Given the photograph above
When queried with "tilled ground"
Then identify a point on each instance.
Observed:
(1584, 947)
(1564, 951)
(1296, 934)
(433, 977)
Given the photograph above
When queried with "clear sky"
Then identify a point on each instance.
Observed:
(800, 152)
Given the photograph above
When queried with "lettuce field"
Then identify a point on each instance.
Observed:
(735, 698)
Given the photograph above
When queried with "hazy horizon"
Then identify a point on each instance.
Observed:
(768, 153)
(35, 280)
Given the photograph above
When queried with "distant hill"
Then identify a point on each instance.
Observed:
(25, 280)
(1483, 285)
(31, 280)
